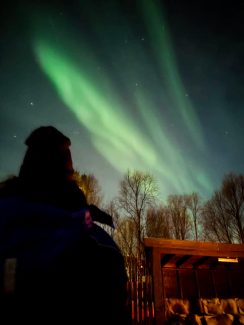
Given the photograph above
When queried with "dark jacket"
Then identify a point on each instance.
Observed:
(52, 267)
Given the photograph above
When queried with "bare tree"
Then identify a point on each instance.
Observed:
(233, 194)
(157, 222)
(216, 223)
(125, 236)
(90, 186)
(137, 193)
(193, 203)
(223, 214)
(181, 223)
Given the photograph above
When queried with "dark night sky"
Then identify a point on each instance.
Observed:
(150, 85)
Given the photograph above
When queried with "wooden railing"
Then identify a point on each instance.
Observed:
(141, 300)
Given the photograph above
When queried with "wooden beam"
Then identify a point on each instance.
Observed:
(166, 258)
(200, 262)
(182, 260)
(158, 287)
(191, 247)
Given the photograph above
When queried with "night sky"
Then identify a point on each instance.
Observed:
(156, 86)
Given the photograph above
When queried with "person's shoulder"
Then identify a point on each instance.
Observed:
(66, 195)
(74, 192)
(9, 187)
(73, 186)
(113, 262)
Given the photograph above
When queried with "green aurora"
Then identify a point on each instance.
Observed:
(87, 87)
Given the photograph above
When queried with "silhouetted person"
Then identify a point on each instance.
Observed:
(55, 264)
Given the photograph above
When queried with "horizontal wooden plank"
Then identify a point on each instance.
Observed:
(190, 247)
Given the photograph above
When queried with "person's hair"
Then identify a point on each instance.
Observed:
(46, 174)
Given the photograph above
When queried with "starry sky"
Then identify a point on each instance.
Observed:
(150, 85)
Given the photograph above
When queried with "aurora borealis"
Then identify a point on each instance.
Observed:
(148, 85)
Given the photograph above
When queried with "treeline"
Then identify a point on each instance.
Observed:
(137, 212)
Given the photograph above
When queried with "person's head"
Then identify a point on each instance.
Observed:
(47, 157)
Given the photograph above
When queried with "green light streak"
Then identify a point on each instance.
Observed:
(111, 131)
(160, 42)
(173, 164)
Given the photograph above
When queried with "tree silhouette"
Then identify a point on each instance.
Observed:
(223, 214)
(137, 193)
(157, 222)
(179, 216)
